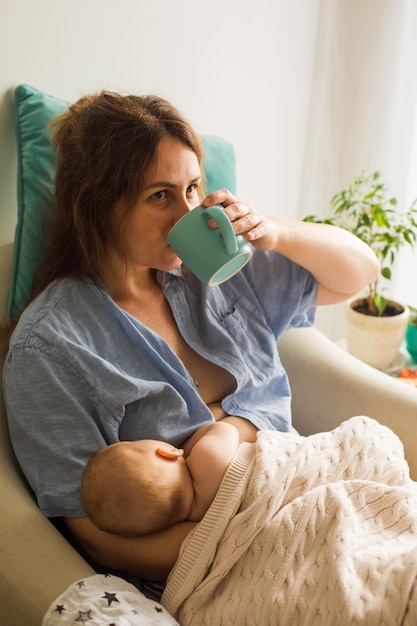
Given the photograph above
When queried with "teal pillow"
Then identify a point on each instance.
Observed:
(35, 182)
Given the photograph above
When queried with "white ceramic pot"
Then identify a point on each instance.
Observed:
(375, 340)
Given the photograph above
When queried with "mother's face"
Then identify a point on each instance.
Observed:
(170, 191)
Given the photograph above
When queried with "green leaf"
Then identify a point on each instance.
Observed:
(380, 303)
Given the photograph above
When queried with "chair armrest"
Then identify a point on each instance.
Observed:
(36, 562)
(329, 385)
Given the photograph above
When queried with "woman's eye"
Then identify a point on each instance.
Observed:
(191, 188)
(158, 195)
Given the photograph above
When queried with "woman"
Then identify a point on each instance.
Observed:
(119, 343)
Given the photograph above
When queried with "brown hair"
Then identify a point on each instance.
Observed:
(105, 144)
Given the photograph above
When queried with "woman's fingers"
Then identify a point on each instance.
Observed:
(221, 196)
(245, 219)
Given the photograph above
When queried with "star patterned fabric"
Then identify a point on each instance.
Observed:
(104, 600)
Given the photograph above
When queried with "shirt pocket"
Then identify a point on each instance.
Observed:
(252, 338)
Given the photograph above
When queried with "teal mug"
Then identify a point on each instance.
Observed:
(212, 254)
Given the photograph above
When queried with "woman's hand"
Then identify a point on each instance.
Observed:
(259, 230)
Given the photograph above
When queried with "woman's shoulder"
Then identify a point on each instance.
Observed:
(65, 304)
(66, 293)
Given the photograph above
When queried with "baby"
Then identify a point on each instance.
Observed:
(135, 487)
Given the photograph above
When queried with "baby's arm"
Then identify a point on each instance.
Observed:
(208, 454)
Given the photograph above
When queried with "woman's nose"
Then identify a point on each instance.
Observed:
(184, 206)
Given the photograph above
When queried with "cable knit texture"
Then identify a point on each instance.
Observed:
(312, 530)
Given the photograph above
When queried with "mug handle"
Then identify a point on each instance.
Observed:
(225, 227)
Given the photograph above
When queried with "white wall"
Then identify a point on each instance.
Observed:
(240, 70)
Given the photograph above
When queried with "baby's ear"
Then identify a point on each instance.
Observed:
(170, 453)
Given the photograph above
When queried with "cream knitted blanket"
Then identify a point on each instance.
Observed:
(305, 530)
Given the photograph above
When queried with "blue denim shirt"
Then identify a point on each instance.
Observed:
(82, 373)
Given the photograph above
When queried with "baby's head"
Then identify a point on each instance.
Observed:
(135, 487)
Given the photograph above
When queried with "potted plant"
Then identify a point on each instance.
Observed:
(367, 210)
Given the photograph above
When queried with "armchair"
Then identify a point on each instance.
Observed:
(328, 385)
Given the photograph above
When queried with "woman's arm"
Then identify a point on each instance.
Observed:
(341, 263)
(148, 556)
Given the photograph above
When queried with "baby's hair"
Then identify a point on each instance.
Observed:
(126, 496)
